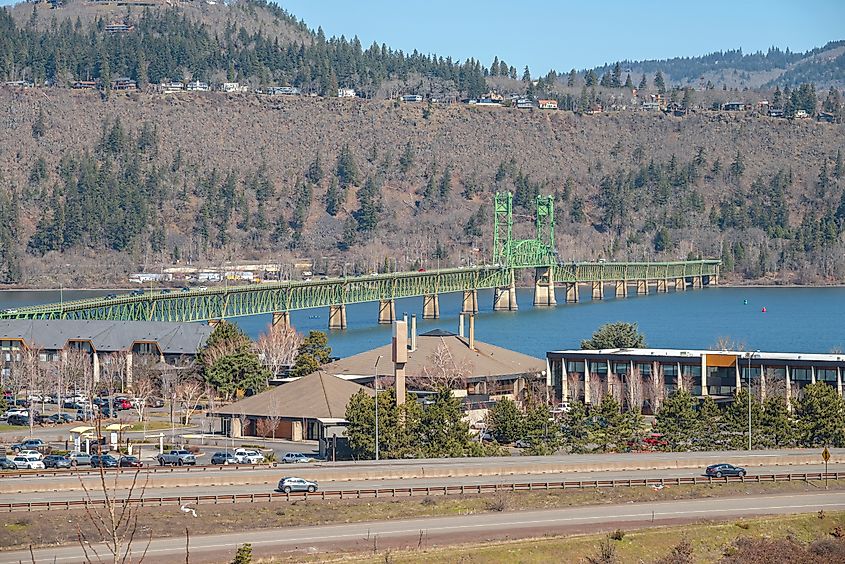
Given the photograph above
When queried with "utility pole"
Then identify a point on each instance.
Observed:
(375, 385)
(750, 356)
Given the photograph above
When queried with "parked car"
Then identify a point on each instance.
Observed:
(288, 485)
(719, 470)
(79, 458)
(28, 463)
(16, 411)
(33, 444)
(20, 420)
(248, 456)
(522, 443)
(31, 453)
(104, 461)
(292, 457)
(176, 458)
(7, 464)
(223, 458)
(121, 404)
(129, 462)
(56, 461)
(560, 408)
(60, 418)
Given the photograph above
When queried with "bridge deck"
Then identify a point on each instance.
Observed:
(272, 297)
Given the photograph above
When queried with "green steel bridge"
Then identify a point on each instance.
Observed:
(279, 298)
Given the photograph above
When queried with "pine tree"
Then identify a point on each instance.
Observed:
(820, 416)
(570, 79)
(616, 79)
(628, 83)
(39, 127)
(445, 186)
(659, 83)
(406, 160)
(346, 169)
(643, 83)
(677, 419)
(314, 174)
(526, 75)
(333, 202)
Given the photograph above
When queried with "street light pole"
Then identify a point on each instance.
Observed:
(375, 384)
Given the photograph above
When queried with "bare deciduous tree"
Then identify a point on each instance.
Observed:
(576, 387)
(189, 393)
(441, 370)
(725, 343)
(597, 389)
(656, 388)
(277, 348)
(634, 389)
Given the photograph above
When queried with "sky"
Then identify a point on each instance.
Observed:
(565, 35)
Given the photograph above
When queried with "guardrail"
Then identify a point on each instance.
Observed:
(150, 469)
(460, 489)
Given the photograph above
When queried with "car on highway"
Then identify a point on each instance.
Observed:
(127, 461)
(291, 484)
(6, 464)
(56, 461)
(28, 463)
(719, 470)
(248, 456)
(79, 458)
(104, 461)
(29, 444)
(223, 458)
(294, 457)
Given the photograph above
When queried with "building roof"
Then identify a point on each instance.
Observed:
(486, 360)
(755, 356)
(107, 336)
(316, 396)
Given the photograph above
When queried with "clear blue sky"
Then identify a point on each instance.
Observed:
(563, 35)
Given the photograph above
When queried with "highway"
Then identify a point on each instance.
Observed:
(442, 530)
(264, 481)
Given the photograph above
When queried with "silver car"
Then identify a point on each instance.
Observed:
(288, 485)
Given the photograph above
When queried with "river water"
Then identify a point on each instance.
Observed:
(795, 319)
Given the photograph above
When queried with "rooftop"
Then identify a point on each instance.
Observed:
(698, 353)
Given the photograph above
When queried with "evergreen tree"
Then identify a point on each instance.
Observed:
(735, 420)
(314, 174)
(677, 420)
(571, 77)
(544, 436)
(576, 428)
(708, 431)
(506, 421)
(820, 416)
(526, 75)
(312, 354)
(659, 83)
(838, 167)
(445, 186)
(406, 160)
(590, 78)
(777, 426)
(346, 169)
(333, 201)
(628, 84)
(370, 205)
(229, 363)
(39, 126)
(616, 79)
(643, 83)
(619, 335)
(611, 429)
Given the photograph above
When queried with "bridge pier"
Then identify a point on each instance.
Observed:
(544, 286)
(662, 286)
(504, 299)
(386, 312)
(337, 316)
(696, 282)
(621, 288)
(598, 290)
(470, 304)
(572, 295)
(642, 287)
(431, 306)
(281, 318)
(680, 284)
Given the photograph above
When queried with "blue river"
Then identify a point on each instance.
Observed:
(794, 320)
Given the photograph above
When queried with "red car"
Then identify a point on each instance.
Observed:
(122, 403)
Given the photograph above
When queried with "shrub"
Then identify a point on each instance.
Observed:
(617, 535)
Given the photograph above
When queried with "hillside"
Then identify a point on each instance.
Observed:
(211, 177)
(96, 184)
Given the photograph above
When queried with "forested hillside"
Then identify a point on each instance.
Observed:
(97, 184)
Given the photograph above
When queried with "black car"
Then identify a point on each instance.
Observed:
(103, 460)
(719, 470)
(59, 418)
(6, 464)
(21, 420)
(56, 461)
(223, 458)
(129, 462)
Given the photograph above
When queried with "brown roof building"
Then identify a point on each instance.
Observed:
(484, 369)
(298, 410)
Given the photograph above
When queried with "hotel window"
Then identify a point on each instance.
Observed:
(826, 375)
(620, 367)
(645, 369)
(574, 366)
(598, 368)
(670, 369)
(802, 374)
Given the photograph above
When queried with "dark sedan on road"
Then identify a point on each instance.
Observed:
(129, 462)
(223, 458)
(56, 461)
(719, 470)
(104, 460)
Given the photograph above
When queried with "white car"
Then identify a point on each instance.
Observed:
(32, 454)
(291, 457)
(28, 463)
(16, 411)
(248, 456)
